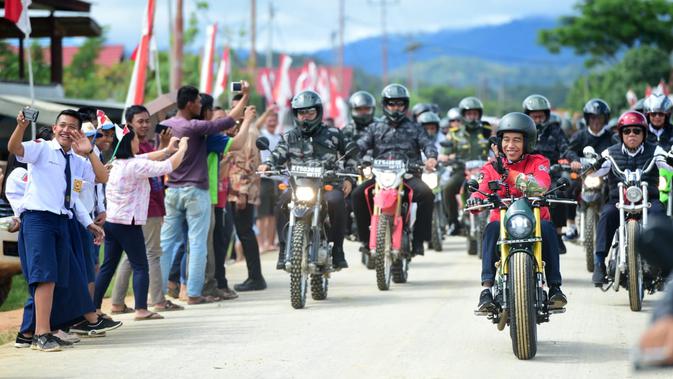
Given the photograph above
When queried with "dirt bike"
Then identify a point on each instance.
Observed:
(592, 198)
(308, 254)
(436, 181)
(519, 293)
(392, 221)
(473, 224)
(625, 266)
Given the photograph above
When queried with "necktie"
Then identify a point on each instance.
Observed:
(68, 179)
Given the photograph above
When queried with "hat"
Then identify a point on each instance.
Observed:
(89, 130)
(103, 120)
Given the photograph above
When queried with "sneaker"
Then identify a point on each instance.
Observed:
(45, 342)
(598, 277)
(64, 344)
(67, 337)
(97, 329)
(571, 234)
(486, 303)
(251, 285)
(557, 300)
(561, 246)
(22, 341)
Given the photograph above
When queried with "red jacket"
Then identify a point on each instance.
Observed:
(534, 165)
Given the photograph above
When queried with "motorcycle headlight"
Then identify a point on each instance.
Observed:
(519, 226)
(592, 182)
(430, 179)
(663, 184)
(305, 193)
(387, 179)
(634, 194)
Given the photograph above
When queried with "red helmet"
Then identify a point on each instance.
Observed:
(632, 118)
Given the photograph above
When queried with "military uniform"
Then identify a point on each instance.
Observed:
(552, 144)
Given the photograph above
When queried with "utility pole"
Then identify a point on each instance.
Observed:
(410, 49)
(384, 34)
(269, 47)
(176, 66)
(252, 60)
(340, 61)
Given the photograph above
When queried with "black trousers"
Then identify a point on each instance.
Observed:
(243, 223)
(451, 191)
(221, 238)
(336, 208)
(422, 195)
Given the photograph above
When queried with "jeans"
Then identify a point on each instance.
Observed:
(120, 238)
(151, 232)
(550, 254)
(189, 204)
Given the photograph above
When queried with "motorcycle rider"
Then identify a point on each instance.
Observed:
(596, 116)
(632, 152)
(396, 134)
(468, 141)
(658, 112)
(430, 123)
(551, 143)
(311, 140)
(421, 108)
(525, 172)
(363, 106)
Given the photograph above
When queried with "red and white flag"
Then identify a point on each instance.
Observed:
(103, 119)
(206, 82)
(16, 11)
(222, 74)
(136, 92)
(120, 133)
(282, 89)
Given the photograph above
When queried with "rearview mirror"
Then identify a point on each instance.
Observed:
(563, 182)
(473, 185)
(262, 143)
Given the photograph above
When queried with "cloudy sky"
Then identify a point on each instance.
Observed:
(307, 25)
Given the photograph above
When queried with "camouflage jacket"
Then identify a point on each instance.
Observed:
(406, 140)
(469, 145)
(324, 145)
(551, 142)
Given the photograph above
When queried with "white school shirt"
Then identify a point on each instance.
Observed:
(88, 196)
(46, 185)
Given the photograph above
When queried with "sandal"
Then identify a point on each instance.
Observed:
(200, 300)
(168, 306)
(126, 309)
(150, 316)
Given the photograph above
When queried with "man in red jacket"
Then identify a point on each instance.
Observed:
(525, 173)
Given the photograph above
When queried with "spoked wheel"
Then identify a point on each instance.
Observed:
(400, 270)
(436, 237)
(298, 263)
(589, 237)
(521, 301)
(319, 285)
(635, 274)
(383, 259)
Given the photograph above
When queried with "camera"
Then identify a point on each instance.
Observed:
(30, 114)
(236, 86)
(160, 128)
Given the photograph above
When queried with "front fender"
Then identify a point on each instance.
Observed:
(301, 211)
(386, 200)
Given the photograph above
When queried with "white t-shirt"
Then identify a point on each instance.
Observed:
(273, 141)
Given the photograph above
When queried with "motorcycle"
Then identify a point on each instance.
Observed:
(308, 254)
(392, 220)
(625, 265)
(473, 224)
(592, 197)
(519, 294)
(436, 181)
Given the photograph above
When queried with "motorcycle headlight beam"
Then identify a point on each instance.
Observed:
(592, 182)
(634, 194)
(519, 226)
(305, 193)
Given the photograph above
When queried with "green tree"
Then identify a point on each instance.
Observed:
(602, 29)
(80, 77)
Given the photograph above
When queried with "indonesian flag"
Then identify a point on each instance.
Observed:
(282, 90)
(120, 133)
(206, 83)
(222, 74)
(307, 79)
(16, 11)
(136, 92)
(266, 78)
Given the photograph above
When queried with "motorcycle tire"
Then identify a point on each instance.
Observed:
(383, 259)
(589, 237)
(521, 305)
(400, 270)
(436, 236)
(635, 266)
(472, 246)
(298, 275)
(319, 286)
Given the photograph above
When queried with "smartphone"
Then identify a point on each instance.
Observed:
(160, 128)
(236, 86)
(30, 114)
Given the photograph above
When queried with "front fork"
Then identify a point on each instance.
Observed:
(315, 230)
(621, 258)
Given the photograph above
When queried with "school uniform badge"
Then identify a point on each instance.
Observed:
(77, 185)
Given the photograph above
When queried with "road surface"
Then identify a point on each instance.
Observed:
(422, 329)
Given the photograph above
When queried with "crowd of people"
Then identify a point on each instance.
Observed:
(175, 200)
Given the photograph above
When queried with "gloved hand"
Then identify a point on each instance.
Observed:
(474, 201)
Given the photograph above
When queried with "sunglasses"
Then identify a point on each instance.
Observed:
(657, 114)
(635, 131)
(307, 111)
(395, 103)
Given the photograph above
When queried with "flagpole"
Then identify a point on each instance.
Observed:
(33, 129)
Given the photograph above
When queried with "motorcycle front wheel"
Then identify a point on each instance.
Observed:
(521, 302)
(298, 263)
(383, 259)
(590, 217)
(635, 274)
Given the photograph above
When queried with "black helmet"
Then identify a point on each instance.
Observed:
(521, 123)
(303, 100)
(419, 109)
(535, 103)
(395, 92)
(470, 103)
(362, 99)
(596, 107)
